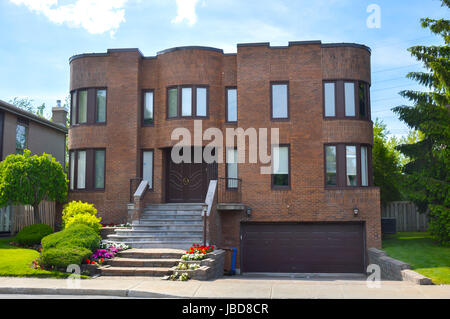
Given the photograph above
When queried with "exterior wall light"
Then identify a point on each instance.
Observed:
(355, 211)
(249, 211)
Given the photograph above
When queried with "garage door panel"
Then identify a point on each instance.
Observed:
(304, 247)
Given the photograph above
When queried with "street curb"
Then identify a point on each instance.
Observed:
(90, 292)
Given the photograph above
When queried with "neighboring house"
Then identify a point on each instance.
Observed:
(317, 212)
(20, 129)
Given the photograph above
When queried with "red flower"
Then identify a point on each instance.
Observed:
(93, 263)
(88, 261)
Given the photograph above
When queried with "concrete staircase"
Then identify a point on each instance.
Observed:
(142, 262)
(175, 226)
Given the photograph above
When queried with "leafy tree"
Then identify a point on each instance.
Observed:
(386, 165)
(427, 172)
(27, 105)
(27, 180)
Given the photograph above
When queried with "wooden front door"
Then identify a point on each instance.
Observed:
(188, 182)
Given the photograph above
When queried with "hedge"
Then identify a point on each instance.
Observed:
(33, 234)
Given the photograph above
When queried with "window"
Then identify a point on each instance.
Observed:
(73, 108)
(346, 99)
(232, 168)
(148, 117)
(364, 167)
(350, 156)
(363, 99)
(331, 172)
(172, 102)
(202, 102)
(347, 165)
(330, 99)
(99, 172)
(187, 101)
(87, 169)
(72, 169)
(88, 106)
(100, 111)
(349, 98)
(81, 169)
(231, 103)
(280, 168)
(147, 167)
(82, 106)
(280, 107)
(21, 136)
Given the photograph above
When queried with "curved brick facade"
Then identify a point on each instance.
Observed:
(125, 73)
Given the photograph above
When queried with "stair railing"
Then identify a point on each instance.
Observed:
(209, 200)
(138, 200)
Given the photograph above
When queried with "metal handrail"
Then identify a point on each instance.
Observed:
(134, 186)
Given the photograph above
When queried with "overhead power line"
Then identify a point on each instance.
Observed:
(400, 67)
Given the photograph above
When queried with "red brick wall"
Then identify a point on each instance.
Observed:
(305, 66)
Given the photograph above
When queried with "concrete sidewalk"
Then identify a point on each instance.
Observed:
(226, 287)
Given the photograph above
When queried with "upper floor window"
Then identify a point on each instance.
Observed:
(187, 101)
(231, 104)
(280, 100)
(148, 107)
(21, 136)
(280, 167)
(87, 169)
(88, 106)
(346, 99)
(232, 168)
(347, 165)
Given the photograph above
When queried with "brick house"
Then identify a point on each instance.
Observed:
(317, 212)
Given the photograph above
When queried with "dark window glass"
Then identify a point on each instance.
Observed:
(362, 99)
(21, 137)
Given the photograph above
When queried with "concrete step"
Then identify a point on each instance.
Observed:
(171, 222)
(142, 262)
(135, 271)
(171, 217)
(145, 232)
(152, 253)
(171, 212)
(168, 227)
(151, 244)
(175, 206)
(135, 239)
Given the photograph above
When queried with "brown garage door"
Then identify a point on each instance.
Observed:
(302, 248)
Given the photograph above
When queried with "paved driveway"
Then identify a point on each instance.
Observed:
(226, 287)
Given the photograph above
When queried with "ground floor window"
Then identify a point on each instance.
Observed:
(87, 169)
(147, 167)
(280, 169)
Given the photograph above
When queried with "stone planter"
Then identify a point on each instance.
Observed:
(210, 268)
(92, 270)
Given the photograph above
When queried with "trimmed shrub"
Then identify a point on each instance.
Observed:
(33, 234)
(85, 219)
(75, 208)
(61, 257)
(439, 224)
(77, 235)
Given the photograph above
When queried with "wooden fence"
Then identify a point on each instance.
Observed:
(408, 218)
(14, 218)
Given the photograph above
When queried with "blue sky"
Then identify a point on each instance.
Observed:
(39, 36)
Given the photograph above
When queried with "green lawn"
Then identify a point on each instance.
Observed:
(16, 262)
(424, 256)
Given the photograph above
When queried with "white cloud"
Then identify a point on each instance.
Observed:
(95, 16)
(186, 11)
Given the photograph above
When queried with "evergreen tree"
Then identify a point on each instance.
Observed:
(427, 172)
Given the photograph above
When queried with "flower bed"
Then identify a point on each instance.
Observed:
(197, 252)
(107, 250)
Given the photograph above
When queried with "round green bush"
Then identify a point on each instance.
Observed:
(33, 234)
(61, 257)
(75, 208)
(78, 235)
(85, 219)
